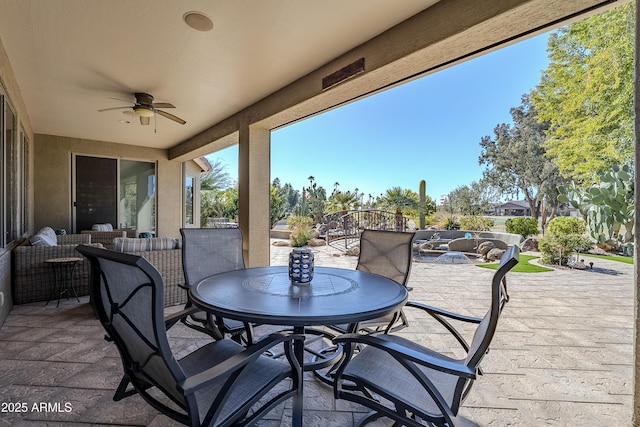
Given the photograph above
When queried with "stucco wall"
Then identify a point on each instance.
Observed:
(52, 176)
(194, 170)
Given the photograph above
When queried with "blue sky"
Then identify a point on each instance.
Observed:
(427, 129)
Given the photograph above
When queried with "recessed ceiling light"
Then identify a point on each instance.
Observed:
(198, 21)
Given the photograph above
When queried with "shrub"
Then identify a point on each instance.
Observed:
(556, 248)
(451, 224)
(476, 222)
(300, 235)
(429, 219)
(299, 221)
(523, 225)
(566, 225)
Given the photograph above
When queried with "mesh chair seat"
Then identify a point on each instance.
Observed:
(418, 383)
(249, 384)
(219, 384)
(371, 361)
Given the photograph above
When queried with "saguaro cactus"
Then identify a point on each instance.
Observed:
(423, 201)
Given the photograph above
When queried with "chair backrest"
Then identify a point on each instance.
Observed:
(127, 296)
(386, 253)
(499, 297)
(209, 251)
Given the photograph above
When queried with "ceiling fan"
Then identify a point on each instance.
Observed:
(145, 109)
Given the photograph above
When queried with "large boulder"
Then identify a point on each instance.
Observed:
(578, 264)
(353, 251)
(495, 254)
(426, 247)
(317, 242)
(485, 247)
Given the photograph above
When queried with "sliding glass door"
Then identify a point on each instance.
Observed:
(138, 195)
(115, 191)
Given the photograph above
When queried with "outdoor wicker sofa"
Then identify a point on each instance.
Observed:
(106, 237)
(33, 280)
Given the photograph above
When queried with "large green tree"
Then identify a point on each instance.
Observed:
(217, 178)
(218, 193)
(586, 94)
(516, 160)
(473, 199)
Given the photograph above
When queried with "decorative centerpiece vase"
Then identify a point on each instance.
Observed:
(301, 265)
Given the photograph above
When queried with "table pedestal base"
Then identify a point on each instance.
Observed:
(63, 269)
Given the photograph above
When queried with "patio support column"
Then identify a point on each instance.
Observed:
(636, 230)
(254, 164)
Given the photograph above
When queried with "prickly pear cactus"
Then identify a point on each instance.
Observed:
(607, 206)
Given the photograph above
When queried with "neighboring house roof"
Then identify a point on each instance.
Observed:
(513, 204)
(204, 164)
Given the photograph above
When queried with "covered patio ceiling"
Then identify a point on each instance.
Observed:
(264, 59)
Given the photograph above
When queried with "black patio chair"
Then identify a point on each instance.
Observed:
(413, 384)
(219, 384)
(388, 254)
(205, 252)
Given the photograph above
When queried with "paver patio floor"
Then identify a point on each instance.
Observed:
(562, 354)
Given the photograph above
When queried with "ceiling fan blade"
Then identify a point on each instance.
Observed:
(120, 99)
(145, 120)
(162, 105)
(171, 117)
(113, 108)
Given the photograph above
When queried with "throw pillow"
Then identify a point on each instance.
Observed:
(162, 243)
(45, 237)
(130, 244)
(102, 227)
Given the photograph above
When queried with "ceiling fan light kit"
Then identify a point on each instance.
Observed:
(143, 111)
(145, 108)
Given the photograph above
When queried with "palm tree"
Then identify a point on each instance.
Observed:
(217, 178)
(342, 201)
(400, 200)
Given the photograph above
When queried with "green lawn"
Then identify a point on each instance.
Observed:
(521, 267)
(625, 259)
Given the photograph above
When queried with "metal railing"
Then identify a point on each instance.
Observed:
(342, 229)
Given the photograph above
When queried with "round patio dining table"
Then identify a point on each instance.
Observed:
(265, 295)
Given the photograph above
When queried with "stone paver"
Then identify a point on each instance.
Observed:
(562, 354)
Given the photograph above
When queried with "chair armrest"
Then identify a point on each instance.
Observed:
(401, 352)
(173, 318)
(435, 311)
(234, 363)
(440, 316)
